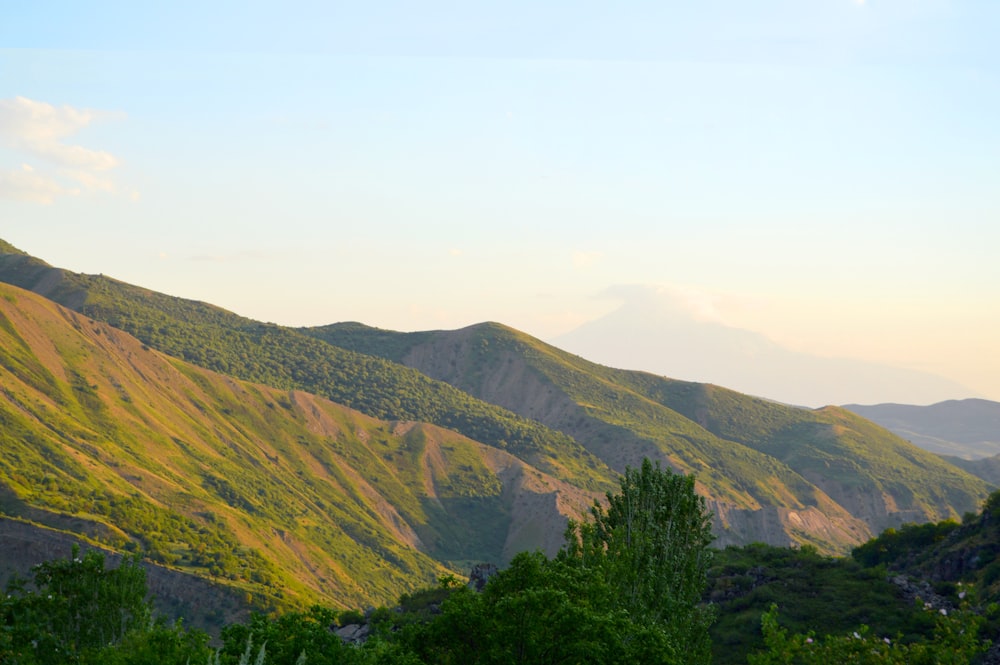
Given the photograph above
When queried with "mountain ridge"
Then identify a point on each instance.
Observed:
(540, 433)
(968, 428)
(612, 413)
(279, 494)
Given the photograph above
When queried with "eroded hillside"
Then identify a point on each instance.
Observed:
(283, 494)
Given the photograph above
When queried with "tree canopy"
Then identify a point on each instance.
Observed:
(651, 544)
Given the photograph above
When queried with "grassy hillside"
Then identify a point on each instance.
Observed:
(852, 459)
(280, 357)
(747, 452)
(286, 496)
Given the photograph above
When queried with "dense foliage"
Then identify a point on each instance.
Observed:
(77, 611)
(917, 593)
(954, 641)
(568, 609)
(650, 544)
(815, 593)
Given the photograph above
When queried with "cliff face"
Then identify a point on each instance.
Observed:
(785, 527)
(874, 507)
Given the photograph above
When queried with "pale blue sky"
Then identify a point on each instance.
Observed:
(824, 172)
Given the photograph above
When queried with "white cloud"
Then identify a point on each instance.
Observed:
(40, 130)
(30, 187)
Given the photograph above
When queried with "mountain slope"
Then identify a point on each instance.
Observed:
(818, 478)
(987, 468)
(968, 428)
(280, 357)
(285, 495)
(774, 473)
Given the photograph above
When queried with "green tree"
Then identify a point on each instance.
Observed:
(77, 611)
(651, 543)
(162, 644)
(76, 604)
(286, 637)
(955, 642)
(537, 612)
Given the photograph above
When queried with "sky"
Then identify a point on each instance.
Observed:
(824, 173)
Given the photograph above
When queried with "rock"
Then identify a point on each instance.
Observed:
(354, 633)
(480, 575)
(921, 590)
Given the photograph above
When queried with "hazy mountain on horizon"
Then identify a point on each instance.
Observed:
(653, 331)
(968, 428)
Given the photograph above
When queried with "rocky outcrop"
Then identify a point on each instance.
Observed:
(480, 575)
(784, 527)
(921, 590)
(354, 633)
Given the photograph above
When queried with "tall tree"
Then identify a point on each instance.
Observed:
(651, 543)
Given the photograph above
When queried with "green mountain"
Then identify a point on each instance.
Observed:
(280, 495)
(210, 337)
(525, 434)
(775, 473)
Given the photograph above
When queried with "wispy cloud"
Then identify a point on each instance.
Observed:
(26, 185)
(39, 131)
